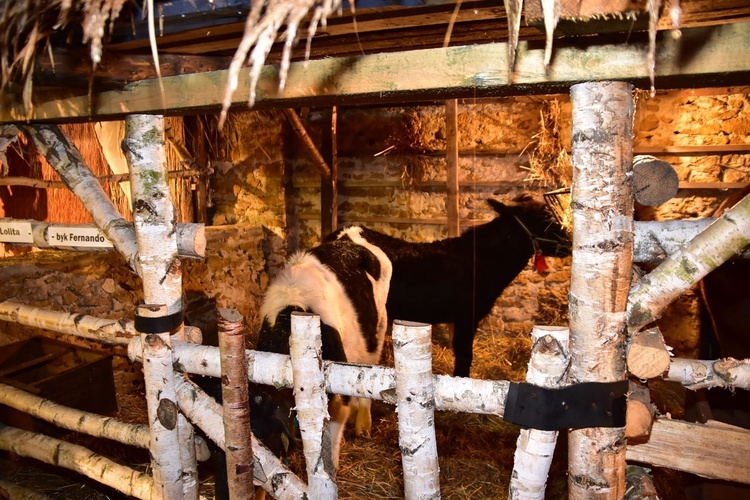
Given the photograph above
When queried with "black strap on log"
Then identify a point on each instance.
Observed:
(588, 404)
(162, 324)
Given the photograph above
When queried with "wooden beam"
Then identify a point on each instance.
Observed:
(68, 67)
(312, 150)
(714, 452)
(329, 192)
(471, 71)
(451, 166)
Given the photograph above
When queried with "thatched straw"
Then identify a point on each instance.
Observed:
(406, 144)
(549, 162)
(26, 26)
(261, 33)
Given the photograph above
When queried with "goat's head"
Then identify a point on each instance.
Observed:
(272, 418)
(532, 220)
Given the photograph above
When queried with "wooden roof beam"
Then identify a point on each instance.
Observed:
(702, 57)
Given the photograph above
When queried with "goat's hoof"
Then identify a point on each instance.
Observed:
(363, 425)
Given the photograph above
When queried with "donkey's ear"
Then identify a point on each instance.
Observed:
(499, 207)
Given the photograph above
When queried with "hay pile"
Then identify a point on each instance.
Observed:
(549, 163)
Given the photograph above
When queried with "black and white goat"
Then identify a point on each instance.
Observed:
(345, 282)
(457, 280)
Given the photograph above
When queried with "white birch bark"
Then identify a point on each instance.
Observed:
(602, 153)
(656, 240)
(269, 472)
(191, 237)
(188, 457)
(236, 404)
(697, 374)
(412, 353)
(162, 410)
(77, 458)
(73, 419)
(66, 160)
(153, 212)
(723, 239)
(548, 367)
(17, 492)
(305, 347)
(161, 272)
(106, 331)
(362, 381)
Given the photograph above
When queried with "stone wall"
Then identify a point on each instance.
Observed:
(495, 137)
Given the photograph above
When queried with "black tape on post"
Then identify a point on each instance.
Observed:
(161, 324)
(588, 404)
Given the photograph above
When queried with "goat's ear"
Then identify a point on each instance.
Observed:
(499, 207)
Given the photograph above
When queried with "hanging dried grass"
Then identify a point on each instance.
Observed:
(26, 26)
(549, 163)
(261, 33)
(406, 144)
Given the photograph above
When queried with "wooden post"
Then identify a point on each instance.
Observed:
(159, 266)
(720, 241)
(301, 132)
(162, 408)
(202, 409)
(305, 348)
(73, 457)
(153, 212)
(415, 393)
(600, 273)
(66, 160)
(329, 189)
(451, 166)
(548, 367)
(236, 403)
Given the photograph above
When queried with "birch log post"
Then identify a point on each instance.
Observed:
(602, 203)
(79, 459)
(270, 473)
(160, 269)
(415, 393)
(548, 367)
(73, 419)
(236, 404)
(305, 347)
(191, 237)
(723, 239)
(161, 406)
(699, 374)
(153, 212)
(66, 160)
(375, 382)
(107, 331)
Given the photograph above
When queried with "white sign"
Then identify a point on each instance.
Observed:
(73, 236)
(12, 231)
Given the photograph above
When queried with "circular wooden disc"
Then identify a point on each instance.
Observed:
(654, 181)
